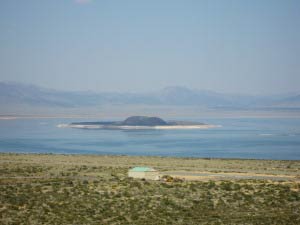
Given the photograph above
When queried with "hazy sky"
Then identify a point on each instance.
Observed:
(143, 45)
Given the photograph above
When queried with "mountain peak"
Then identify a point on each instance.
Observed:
(143, 121)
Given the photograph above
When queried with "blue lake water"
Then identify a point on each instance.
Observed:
(237, 138)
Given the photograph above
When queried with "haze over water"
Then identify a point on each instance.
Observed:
(113, 58)
(237, 138)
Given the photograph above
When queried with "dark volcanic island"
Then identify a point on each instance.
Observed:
(139, 122)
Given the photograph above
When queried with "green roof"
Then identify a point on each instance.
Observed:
(142, 169)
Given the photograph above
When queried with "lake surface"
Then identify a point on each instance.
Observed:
(237, 138)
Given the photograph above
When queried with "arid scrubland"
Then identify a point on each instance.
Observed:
(89, 189)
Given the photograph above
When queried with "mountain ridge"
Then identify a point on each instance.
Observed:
(12, 93)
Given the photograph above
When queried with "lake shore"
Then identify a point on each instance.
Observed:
(166, 127)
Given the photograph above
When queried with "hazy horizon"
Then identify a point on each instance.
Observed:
(134, 46)
(153, 91)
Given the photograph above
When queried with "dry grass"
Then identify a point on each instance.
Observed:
(86, 189)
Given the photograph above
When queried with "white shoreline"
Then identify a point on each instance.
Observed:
(170, 127)
(8, 118)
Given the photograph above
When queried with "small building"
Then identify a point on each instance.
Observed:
(147, 173)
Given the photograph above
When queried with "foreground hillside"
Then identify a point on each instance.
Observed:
(77, 189)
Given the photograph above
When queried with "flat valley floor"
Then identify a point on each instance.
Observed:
(93, 189)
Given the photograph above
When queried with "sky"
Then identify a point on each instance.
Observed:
(249, 47)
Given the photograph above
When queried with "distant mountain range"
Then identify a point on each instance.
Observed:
(12, 93)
